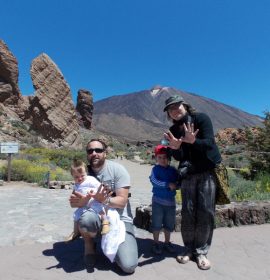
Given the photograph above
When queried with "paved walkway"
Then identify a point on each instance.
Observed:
(32, 230)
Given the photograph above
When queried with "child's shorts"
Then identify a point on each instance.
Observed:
(163, 217)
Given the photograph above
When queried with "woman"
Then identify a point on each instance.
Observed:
(192, 141)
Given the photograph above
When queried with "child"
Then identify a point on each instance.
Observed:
(163, 178)
(86, 185)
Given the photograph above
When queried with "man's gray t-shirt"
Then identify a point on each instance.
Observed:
(116, 176)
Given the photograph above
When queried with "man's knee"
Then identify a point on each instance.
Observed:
(89, 222)
(126, 266)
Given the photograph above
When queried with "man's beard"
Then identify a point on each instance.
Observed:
(96, 162)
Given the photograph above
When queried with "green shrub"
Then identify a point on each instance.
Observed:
(18, 124)
(178, 197)
(24, 170)
(35, 173)
(263, 182)
(245, 173)
(147, 156)
(3, 156)
(236, 161)
(258, 144)
(130, 155)
(242, 189)
(60, 157)
(232, 149)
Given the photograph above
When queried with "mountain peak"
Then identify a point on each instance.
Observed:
(140, 116)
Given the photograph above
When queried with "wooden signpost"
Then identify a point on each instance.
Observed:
(9, 148)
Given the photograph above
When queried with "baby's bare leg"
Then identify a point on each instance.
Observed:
(105, 222)
(75, 234)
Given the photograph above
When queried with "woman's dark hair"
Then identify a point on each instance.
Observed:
(189, 108)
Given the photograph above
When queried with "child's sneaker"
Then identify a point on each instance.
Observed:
(169, 247)
(156, 249)
(105, 227)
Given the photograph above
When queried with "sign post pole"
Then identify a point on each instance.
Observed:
(9, 167)
(9, 148)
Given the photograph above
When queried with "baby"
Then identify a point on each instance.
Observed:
(86, 185)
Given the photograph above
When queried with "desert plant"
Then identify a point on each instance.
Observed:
(178, 197)
(242, 189)
(245, 173)
(232, 149)
(60, 157)
(18, 124)
(24, 170)
(263, 182)
(259, 146)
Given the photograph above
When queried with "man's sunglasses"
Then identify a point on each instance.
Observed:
(97, 150)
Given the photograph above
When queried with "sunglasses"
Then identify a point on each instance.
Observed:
(96, 150)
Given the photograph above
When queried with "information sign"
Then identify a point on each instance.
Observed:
(9, 147)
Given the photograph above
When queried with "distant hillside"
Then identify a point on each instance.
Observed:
(140, 116)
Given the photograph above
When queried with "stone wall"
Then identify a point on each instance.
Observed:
(229, 215)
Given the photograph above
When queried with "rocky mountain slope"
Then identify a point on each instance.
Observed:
(140, 116)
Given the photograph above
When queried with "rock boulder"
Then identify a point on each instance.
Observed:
(9, 90)
(51, 110)
(85, 108)
(233, 214)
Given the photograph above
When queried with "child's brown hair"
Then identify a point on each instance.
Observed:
(78, 166)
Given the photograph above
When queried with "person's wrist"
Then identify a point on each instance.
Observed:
(84, 201)
(107, 201)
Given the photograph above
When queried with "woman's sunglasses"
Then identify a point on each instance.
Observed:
(97, 150)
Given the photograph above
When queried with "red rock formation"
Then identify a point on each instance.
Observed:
(233, 136)
(85, 108)
(9, 90)
(51, 110)
(230, 136)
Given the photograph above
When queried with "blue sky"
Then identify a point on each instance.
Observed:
(215, 48)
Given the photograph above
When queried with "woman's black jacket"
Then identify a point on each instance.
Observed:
(203, 153)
